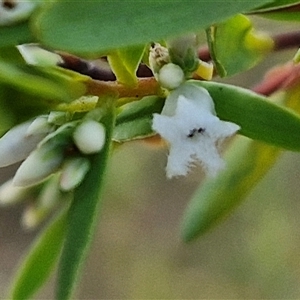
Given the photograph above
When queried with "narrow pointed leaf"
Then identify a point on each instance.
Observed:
(27, 91)
(278, 4)
(82, 217)
(134, 120)
(125, 62)
(52, 84)
(98, 28)
(247, 162)
(40, 260)
(15, 35)
(259, 118)
(244, 47)
(287, 10)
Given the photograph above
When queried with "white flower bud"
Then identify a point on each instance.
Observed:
(17, 143)
(57, 117)
(15, 11)
(73, 172)
(89, 137)
(34, 55)
(49, 198)
(39, 125)
(170, 76)
(30, 218)
(180, 46)
(11, 194)
(41, 163)
(47, 158)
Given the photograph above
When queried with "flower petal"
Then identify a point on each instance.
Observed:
(192, 130)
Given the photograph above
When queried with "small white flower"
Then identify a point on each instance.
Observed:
(189, 124)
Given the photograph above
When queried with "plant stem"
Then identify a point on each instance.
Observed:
(144, 87)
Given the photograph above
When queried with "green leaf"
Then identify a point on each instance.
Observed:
(83, 214)
(135, 119)
(53, 84)
(278, 4)
(17, 107)
(247, 162)
(11, 54)
(105, 25)
(284, 15)
(244, 47)
(15, 35)
(27, 91)
(259, 119)
(40, 260)
(125, 62)
(285, 10)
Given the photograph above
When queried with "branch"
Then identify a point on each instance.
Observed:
(145, 87)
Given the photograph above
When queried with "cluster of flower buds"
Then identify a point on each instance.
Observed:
(177, 62)
(188, 121)
(55, 153)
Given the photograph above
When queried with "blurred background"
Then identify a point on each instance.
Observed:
(137, 252)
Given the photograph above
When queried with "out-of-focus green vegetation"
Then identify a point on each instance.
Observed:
(138, 253)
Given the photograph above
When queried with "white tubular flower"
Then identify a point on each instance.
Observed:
(11, 194)
(18, 142)
(189, 124)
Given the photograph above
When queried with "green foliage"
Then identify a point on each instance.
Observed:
(281, 10)
(244, 47)
(278, 4)
(123, 31)
(40, 260)
(27, 91)
(43, 83)
(247, 162)
(14, 35)
(116, 24)
(125, 62)
(259, 119)
(82, 216)
(135, 119)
